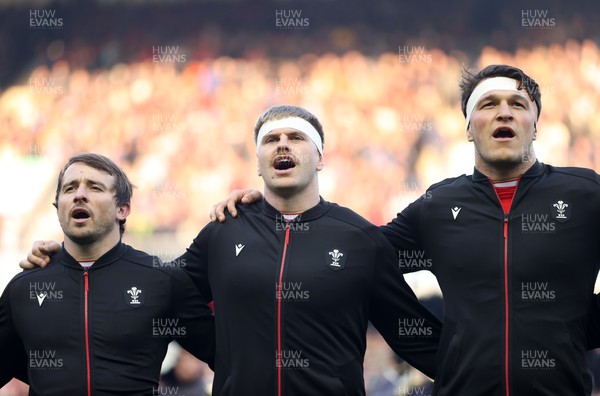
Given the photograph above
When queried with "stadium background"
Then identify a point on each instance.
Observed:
(171, 91)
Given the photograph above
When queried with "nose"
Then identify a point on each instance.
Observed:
(504, 111)
(283, 144)
(81, 193)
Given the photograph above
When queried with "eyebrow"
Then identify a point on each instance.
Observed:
(513, 96)
(291, 132)
(88, 182)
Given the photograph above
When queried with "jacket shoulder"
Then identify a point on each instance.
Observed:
(583, 173)
(172, 270)
(354, 221)
(448, 181)
(138, 257)
(347, 216)
(32, 273)
(251, 207)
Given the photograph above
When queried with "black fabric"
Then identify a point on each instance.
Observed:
(551, 267)
(325, 308)
(127, 342)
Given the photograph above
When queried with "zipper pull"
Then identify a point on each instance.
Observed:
(86, 280)
(287, 234)
(505, 226)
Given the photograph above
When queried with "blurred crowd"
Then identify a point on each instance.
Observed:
(182, 128)
(184, 132)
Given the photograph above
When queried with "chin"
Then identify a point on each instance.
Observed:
(285, 191)
(82, 238)
(508, 162)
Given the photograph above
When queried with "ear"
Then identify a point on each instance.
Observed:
(258, 170)
(123, 211)
(320, 164)
(534, 130)
(469, 134)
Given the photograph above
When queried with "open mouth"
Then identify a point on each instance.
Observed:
(284, 162)
(503, 133)
(80, 214)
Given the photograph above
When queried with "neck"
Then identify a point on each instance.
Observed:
(83, 251)
(503, 173)
(292, 202)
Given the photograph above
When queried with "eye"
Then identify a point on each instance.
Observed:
(486, 104)
(68, 189)
(269, 139)
(297, 137)
(95, 188)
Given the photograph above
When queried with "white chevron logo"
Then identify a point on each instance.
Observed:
(41, 296)
(238, 249)
(455, 211)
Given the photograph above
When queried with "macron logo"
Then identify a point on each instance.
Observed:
(40, 297)
(238, 249)
(455, 211)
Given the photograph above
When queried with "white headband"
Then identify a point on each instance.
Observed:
(297, 123)
(487, 85)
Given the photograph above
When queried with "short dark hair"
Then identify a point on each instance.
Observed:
(470, 81)
(123, 189)
(285, 111)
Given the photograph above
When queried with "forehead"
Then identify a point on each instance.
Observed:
(83, 172)
(504, 94)
(285, 131)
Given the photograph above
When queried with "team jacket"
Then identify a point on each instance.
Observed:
(102, 331)
(517, 288)
(292, 301)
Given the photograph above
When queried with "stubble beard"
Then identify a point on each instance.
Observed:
(511, 162)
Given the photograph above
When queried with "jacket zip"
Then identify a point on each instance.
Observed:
(506, 303)
(280, 283)
(506, 340)
(87, 333)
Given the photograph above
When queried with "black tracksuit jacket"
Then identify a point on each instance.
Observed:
(102, 331)
(292, 301)
(517, 288)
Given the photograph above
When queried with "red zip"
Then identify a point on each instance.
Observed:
(87, 337)
(506, 302)
(285, 244)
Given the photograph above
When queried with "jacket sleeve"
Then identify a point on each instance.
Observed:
(195, 262)
(13, 363)
(195, 317)
(411, 330)
(403, 233)
(593, 329)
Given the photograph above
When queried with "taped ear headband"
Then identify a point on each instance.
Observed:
(297, 123)
(487, 85)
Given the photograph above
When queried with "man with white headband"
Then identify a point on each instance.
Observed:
(296, 280)
(514, 247)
